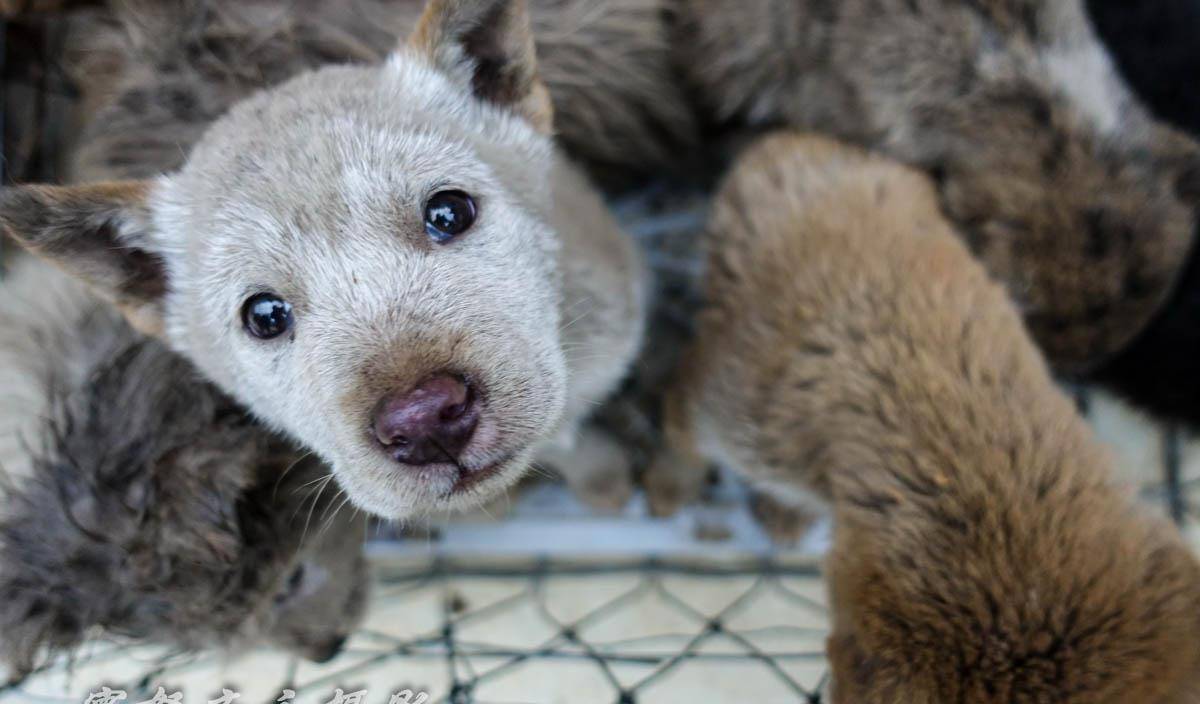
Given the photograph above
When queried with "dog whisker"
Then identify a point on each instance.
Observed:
(290, 467)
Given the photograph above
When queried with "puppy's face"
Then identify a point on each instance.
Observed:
(361, 256)
(318, 603)
(386, 292)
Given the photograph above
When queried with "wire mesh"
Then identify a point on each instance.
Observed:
(487, 629)
(481, 658)
(638, 630)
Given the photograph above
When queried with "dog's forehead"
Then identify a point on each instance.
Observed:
(347, 149)
(346, 134)
(359, 181)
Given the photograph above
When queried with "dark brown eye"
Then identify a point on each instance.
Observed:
(292, 588)
(267, 316)
(448, 214)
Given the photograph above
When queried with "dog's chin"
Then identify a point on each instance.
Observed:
(398, 492)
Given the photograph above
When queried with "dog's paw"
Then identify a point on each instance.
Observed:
(785, 523)
(605, 490)
(597, 468)
(671, 482)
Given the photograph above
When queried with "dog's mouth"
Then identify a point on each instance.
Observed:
(397, 491)
(458, 479)
(443, 449)
(468, 479)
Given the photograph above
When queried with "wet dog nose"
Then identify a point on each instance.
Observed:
(431, 423)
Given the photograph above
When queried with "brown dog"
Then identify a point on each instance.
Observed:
(1045, 162)
(853, 349)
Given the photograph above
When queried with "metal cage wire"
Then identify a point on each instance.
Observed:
(628, 669)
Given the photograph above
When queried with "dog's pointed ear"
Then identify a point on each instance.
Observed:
(100, 233)
(487, 44)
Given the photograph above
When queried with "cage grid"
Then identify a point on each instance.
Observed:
(629, 662)
(628, 667)
(567, 641)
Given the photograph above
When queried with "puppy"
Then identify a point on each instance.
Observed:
(1053, 172)
(853, 352)
(145, 504)
(391, 264)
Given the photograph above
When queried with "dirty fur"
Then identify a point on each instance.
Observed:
(313, 190)
(851, 351)
(140, 502)
(159, 72)
(1051, 169)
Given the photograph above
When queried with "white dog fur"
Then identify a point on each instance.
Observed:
(314, 190)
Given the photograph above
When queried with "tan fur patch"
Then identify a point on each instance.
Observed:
(852, 346)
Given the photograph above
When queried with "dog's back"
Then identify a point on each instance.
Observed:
(1046, 163)
(982, 554)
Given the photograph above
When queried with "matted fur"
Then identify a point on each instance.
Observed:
(140, 502)
(852, 348)
(1057, 177)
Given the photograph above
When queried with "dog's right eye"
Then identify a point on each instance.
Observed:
(267, 316)
(292, 587)
(448, 214)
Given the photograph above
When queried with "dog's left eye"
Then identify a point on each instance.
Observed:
(292, 587)
(267, 316)
(448, 214)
